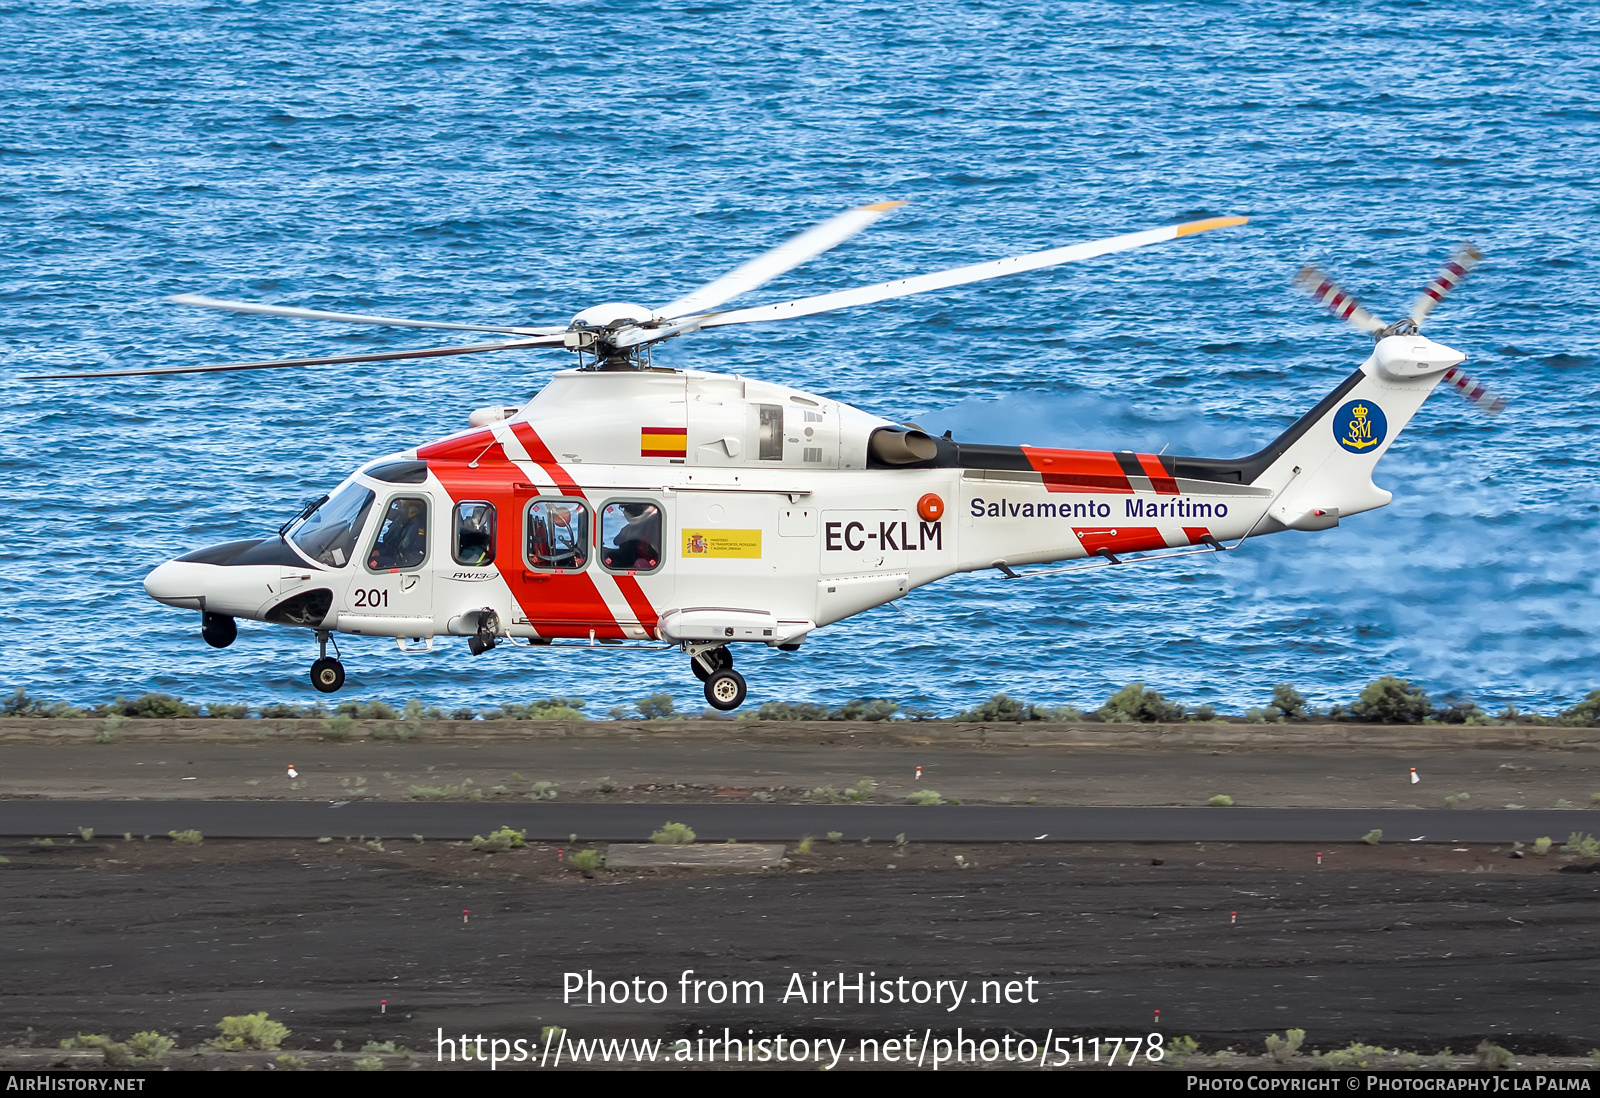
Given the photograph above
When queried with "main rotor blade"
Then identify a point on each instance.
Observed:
(1339, 303)
(977, 272)
(200, 302)
(335, 360)
(769, 265)
(1465, 258)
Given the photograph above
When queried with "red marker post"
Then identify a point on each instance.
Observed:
(1235, 919)
(383, 1006)
(463, 916)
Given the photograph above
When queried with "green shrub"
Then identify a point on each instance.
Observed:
(1458, 711)
(587, 860)
(542, 791)
(150, 1046)
(673, 833)
(249, 1031)
(1491, 1057)
(1287, 1047)
(862, 790)
(562, 708)
(1183, 1046)
(439, 792)
(865, 709)
(835, 836)
(1586, 714)
(792, 711)
(86, 834)
(283, 711)
(339, 729)
(186, 838)
(86, 1040)
(370, 710)
(1221, 800)
(1288, 703)
(23, 704)
(498, 842)
(925, 796)
(287, 1062)
(1001, 707)
(382, 1048)
(1133, 704)
(368, 1063)
(1456, 798)
(1389, 700)
(822, 794)
(1373, 837)
(227, 711)
(657, 707)
(1580, 843)
(804, 845)
(152, 706)
(111, 728)
(1541, 846)
(1357, 1055)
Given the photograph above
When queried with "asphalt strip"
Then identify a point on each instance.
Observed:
(781, 823)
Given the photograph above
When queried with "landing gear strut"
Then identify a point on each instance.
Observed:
(327, 673)
(719, 659)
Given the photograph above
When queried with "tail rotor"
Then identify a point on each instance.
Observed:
(1344, 306)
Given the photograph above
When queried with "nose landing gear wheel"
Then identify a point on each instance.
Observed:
(721, 659)
(327, 675)
(725, 689)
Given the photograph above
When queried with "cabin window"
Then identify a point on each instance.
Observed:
(630, 536)
(402, 541)
(328, 535)
(558, 534)
(472, 538)
(770, 433)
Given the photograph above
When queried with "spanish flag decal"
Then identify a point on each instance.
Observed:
(663, 442)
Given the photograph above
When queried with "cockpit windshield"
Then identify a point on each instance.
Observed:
(328, 535)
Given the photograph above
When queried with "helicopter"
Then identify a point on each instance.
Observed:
(631, 504)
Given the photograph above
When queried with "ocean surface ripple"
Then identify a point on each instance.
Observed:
(516, 162)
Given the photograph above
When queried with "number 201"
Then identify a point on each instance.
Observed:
(371, 596)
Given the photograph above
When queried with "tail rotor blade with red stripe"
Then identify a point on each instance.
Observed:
(1465, 258)
(1486, 401)
(1339, 303)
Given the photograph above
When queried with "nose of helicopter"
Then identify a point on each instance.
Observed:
(177, 583)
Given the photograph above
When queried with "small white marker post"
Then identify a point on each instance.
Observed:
(1234, 921)
(293, 773)
(1319, 857)
(1414, 778)
(919, 773)
(463, 916)
(383, 1006)
(1158, 1017)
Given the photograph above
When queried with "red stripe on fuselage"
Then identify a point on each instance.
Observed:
(1124, 539)
(1160, 479)
(556, 604)
(541, 455)
(1078, 470)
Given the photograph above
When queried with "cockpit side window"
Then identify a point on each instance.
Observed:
(630, 536)
(402, 541)
(328, 535)
(473, 533)
(558, 535)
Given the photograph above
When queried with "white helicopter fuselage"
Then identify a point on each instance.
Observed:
(694, 509)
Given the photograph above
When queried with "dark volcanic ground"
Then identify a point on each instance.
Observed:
(1398, 945)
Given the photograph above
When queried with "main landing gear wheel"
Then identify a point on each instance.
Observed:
(327, 675)
(721, 660)
(725, 689)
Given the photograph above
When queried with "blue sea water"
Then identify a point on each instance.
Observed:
(515, 162)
